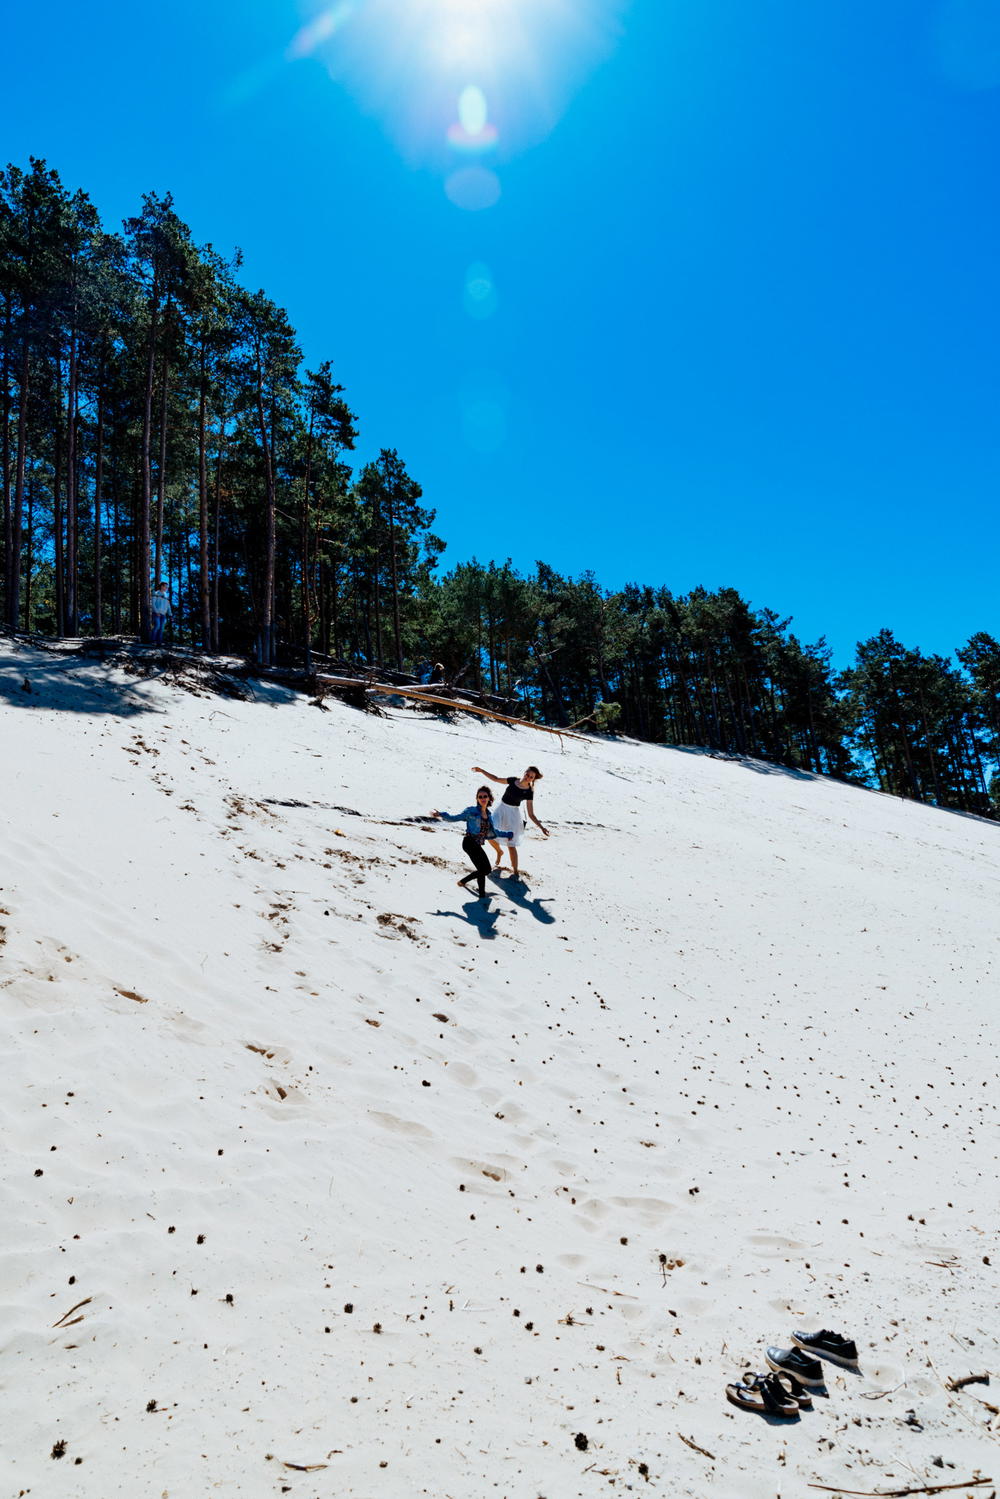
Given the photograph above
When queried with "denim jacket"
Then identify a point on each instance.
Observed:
(471, 818)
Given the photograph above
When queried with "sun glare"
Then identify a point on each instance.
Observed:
(460, 75)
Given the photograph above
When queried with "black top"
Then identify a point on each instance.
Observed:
(515, 794)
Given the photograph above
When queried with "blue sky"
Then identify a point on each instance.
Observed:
(741, 277)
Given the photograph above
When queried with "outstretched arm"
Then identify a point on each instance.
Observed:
(479, 771)
(531, 813)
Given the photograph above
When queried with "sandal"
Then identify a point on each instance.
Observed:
(794, 1391)
(762, 1393)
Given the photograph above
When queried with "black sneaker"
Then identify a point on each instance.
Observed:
(827, 1344)
(792, 1361)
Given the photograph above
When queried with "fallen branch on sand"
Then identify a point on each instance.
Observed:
(695, 1448)
(959, 1384)
(957, 1405)
(389, 689)
(925, 1488)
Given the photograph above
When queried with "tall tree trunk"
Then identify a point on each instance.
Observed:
(29, 557)
(8, 513)
(304, 550)
(185, 544)
(913, 785)
(335, 610)
(57, 516)
(214, 633)
(119, 563)
(204, 596)
(491, 649)
(14, 575)
(72, 609)
(394, 578)
(930, 748)
(324, 628)
(161, 471)
(98, 483)
(266, 639)
(142, 579)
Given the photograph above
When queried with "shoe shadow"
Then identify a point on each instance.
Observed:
(518, 893)
(475, 913)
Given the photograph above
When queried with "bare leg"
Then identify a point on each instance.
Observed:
(513, 857)
(495, 846)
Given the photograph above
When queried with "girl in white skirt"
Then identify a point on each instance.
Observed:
(508, 815)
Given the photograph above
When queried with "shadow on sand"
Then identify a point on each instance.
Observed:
(747, 762)
(65, 686)
(517, 891)
(68, 681)
(477, 913)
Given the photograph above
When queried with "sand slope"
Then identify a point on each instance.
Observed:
(339, 1169)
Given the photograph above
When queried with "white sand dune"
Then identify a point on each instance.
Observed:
(312, 1163)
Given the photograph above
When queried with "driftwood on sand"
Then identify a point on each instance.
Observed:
(422, 696)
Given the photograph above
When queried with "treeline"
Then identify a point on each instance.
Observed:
(157, 422)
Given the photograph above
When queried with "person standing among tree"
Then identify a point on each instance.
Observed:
(509, 817)
(478, 830)
(159, 613)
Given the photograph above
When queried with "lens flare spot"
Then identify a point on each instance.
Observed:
(319, 30)
(473, 188)
(479, 294)
(461, 140)
(472, 112)
(472, 131)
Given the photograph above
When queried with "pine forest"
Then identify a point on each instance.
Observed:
(158, 423)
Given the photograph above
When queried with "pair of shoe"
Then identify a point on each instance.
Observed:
(785, 1391)
(828, 1345)
(769, 1394)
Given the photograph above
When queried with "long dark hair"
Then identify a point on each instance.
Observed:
(489, 793)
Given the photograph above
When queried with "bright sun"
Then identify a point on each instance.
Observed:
(444, 70)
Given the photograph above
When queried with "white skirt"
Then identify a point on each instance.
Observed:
(508, 819)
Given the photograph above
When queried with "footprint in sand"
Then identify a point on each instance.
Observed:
(497, 1170)
(774, 1246)
(509, 1110)
(283, 1094)
(886, 1374)
(401, 1126)
(461, 1072)
(594, 1208)
(270, 1053)
(651, 1210)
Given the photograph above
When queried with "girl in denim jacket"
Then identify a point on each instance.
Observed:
(479, 829)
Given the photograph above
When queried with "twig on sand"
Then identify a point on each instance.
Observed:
(956, 1405)
(305, 1467)
(925, 1488)
(588, 1286)
(62, 1320)
(959, 1384)
(695, 1448)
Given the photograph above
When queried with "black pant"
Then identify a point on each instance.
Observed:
(475, 851)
